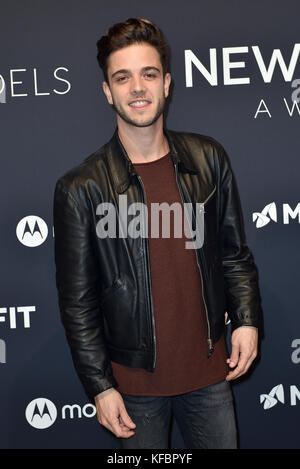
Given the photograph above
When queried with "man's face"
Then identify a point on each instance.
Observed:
(137, 88)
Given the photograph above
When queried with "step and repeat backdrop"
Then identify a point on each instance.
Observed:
(236, 77)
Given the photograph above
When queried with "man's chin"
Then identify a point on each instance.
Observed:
(139, 123)
(143, 124)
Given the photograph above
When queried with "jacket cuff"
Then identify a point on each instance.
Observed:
(102, 385)
(245, 323)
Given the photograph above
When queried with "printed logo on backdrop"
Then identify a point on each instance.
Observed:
(264, 109)
(279, 395)
(265, 69)
(10, 315)
(14, 83)
(228, 63)
(275, 395)
(288, 395)
(296, 93)
(42, 413)
(295, 356)
(270, 213)
(32, 231)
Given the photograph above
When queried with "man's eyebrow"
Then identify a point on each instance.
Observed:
(123, 70)
(147, 69)
(144, 69)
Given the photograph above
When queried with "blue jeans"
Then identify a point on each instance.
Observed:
(205, 417)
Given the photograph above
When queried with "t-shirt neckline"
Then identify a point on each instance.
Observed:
(153, 161)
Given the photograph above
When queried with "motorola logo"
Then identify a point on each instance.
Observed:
(32, 231)
(270, 213)
(41, 413)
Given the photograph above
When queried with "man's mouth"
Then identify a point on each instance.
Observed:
(139, 104)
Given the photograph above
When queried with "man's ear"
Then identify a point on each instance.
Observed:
(167, 82)
(106, 90)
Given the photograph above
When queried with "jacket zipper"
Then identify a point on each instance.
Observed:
(212, 193)
(149, 279)
(209, 340)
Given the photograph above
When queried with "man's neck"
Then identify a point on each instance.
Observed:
(143, 144)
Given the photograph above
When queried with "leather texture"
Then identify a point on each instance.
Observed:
(104, 285)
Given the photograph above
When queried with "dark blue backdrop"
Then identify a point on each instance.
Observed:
(54, 114)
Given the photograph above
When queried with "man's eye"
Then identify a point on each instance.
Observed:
(150, 75)
(121, 78)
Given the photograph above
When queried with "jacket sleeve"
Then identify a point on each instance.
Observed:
(77, 281)
(242, 294)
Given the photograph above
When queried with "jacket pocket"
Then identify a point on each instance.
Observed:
(120, 315)
(104, 294)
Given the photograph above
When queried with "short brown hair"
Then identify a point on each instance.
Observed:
(133, 30)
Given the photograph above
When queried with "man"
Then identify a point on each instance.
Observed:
(145, 316)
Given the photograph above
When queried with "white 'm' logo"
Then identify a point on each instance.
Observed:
(41, 413)
(32, 231)
(263, 218)
(270, 400)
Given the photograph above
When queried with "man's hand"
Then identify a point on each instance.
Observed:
(244, 350)
(112, 413)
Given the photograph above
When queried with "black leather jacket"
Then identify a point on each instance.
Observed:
(104, 285)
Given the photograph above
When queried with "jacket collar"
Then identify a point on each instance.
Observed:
(122, 168)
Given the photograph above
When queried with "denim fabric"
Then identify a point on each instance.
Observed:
(205, 417)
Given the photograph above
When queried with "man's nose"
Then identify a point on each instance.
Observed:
(137, 85)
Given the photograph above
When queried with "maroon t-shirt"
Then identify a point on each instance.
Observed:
(182, 364)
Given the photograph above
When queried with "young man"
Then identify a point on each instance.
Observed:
(145, 315)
